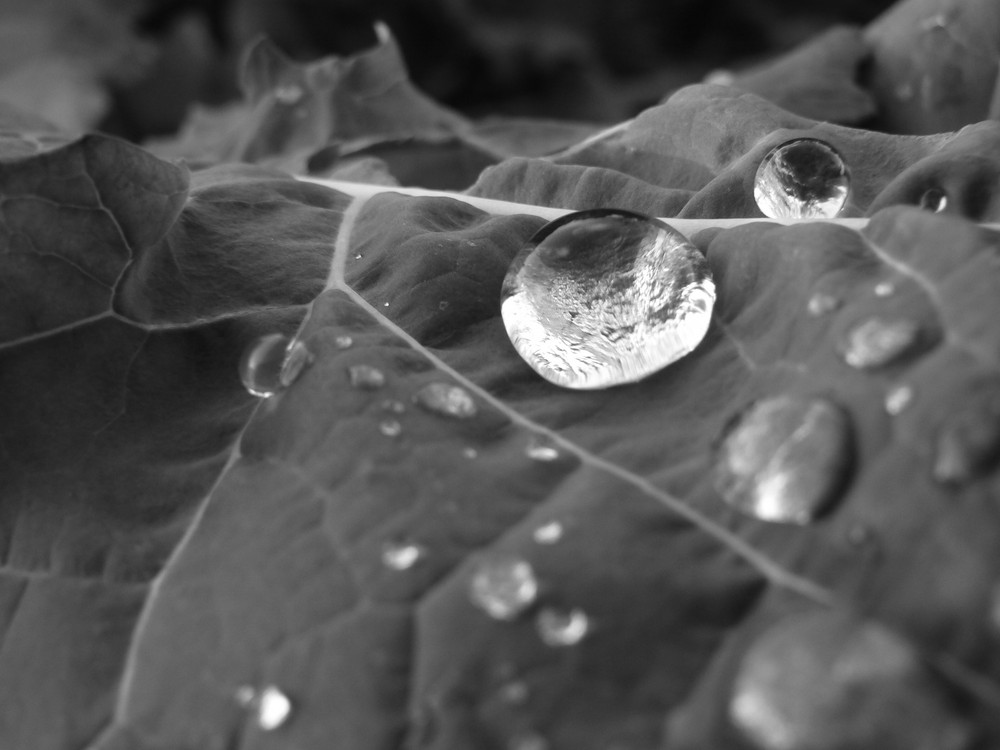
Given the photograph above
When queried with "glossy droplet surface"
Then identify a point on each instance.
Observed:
(541, 448)
(898, 398)
(548, 533)
(270, 707)
(821, 303)
(446, 399)
(879, 341)
(822, 680)
(261, 365)
(562, 627)
(802, 179)
(390, 427)
(402, 555)
(343, 342)
(503, 586)
(785, 459)
(604, 297)
(288, 93)
(366, 377)
(884, 289)
(934, 199)
(297, 357)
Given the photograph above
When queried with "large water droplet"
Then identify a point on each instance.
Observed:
(402, 555)
(270, 707)
(968, 443)
(802, 179)
(261, 364)
(446, 399)
(825, 681)
(562, 627)
(604, 297)
(785, 459)
(297, 356)
(366, 377)
(879, 341)
(503, 586)
(934, 199)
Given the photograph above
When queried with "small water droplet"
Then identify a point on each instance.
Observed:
(446, 399)
(366, 377)
(898, 398)
(879, 341)
(288, 93)
(541, 448)
(393, 405)
(503, 586)
(934, 199)
(558, 627)
(968, 443)
(390, 428)
(884, 288)
(803, 178)
(785, 459)
(470, 453)
(358, 256)
(604, 297)
(548, 533)
(822, 303)
(261, 364)
(297, 356)
(402, 555)
(343, 342)
(270, 707)
(385, 304)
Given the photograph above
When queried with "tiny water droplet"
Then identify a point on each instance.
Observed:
(558, 627)
(385, 304)
(390, 428)
(503, 586)
(402, 555)
(365, 376)
(343, 342)
(884, 288)
(297, 356)
(785, 459)
(604, 297)
(879, 341)
(968, 443)
(288, 93)
(822, 303)
(358, 256)
(803, 178)
(261, 364)
(541, 448)
(270, 707)
(446, 399)
(548, 533)
(934, 199)
(898, 398)
(393, 405)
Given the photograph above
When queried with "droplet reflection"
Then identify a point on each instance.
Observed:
(446, 399)
(879, 341)
(261, 365)
(503, 586)
(803, 178)
(270, 707)
(558, 627)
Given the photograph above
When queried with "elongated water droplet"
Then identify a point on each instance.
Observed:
(785, 459)
(604, 297)
(822, 303)
(934, 199)
(297, 356)
(270, 707)
(541, 448)
(824, 681)
(402, 555)
(968, 443)
(366, 377)
(548, 533)
(503, 586)
(562, 627)
(343, 342)
(446, 399)
(898, 398)
(802, 179)
(390, 427)
(879, 341)
(261, 364)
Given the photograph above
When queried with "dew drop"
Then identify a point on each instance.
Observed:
(540, 448)
(261, 365)
(269, 706)
(366, 377)
(390, 427)
(822, 303)
(343, 342)
(898, 398)
(934, 199)
(879, 341)
(402, 555)
(558, 627)
(968, 443)
(884, 288)
(297, 356)
(803, 178)
(446, 399)
(359, 256)
(604, 297)
(385, 304)
(548, 533)
(289, 93)
(515, 692)
(785, 459)
(504, 586)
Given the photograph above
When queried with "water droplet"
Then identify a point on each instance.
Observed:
(393, 405)
(366, 377)
(968, 443)
(548, 533)
(802, 179)
(343, 342)
(934, 199)
(879, 341)
(558, 627)
(898, 398)
(826, 681)
(390, 428)
(470, 453)
(385, 304)
(359, 256)
(297, 356)
(288, 93)
(541, 448)
(446, 399)
(884, 288)
(604, 297)
(261, 364)
(503, 586)
(822, 303)
(402, 555)
(785, 459)
(270, 707)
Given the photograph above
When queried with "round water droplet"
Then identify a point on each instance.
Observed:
(541, 448)
(402, 555)
(822, 680)
(968, 443)
(802, 179)
(879, 341)
(446, 399)
(604, 297)
(288, 93)
(366, 377)
(884, 288)
(898, 398)
(261, 364)
(934, 199)
(343, 342)
(785, 459)
(390, 428)
(270, 707)
(297, 356)
(821, 304)
(503, 586)
(548, 533)
(559, 627)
